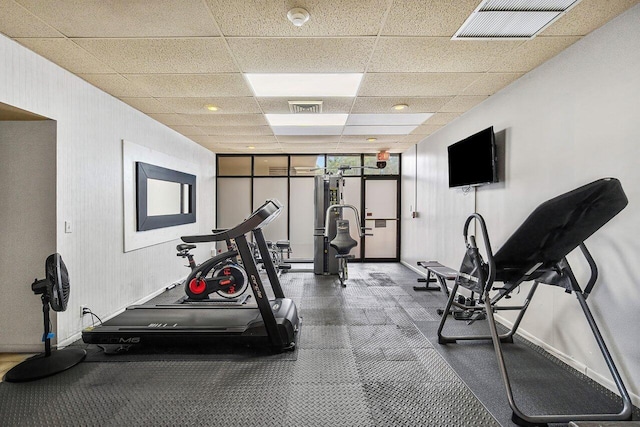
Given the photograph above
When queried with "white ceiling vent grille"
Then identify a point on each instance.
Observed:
(297, 107)
(512, 19)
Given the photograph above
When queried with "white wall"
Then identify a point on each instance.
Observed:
(570, 121)
(90, 128)
(28, 231)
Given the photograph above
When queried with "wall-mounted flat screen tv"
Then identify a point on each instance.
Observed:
(472, 161)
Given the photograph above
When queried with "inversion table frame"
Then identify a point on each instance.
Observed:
(537, 252)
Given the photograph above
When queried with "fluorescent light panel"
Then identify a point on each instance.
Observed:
(307, 130)
(305, 84)
(306, 119)
(523, 5)
(388, 119)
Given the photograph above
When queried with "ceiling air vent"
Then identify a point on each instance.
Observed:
(297, 107)
(512, 19)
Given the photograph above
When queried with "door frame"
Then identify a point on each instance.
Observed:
(363, 191)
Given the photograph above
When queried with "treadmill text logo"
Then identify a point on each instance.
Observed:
(133, 340)
(162, 325)
(256, 287)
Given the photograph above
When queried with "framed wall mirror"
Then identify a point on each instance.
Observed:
(164, 197)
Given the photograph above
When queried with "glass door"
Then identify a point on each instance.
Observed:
(381, 217)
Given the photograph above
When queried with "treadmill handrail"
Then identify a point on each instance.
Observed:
(258, 219)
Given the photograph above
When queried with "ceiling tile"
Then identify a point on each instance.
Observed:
(162, 56)
(327, 18)
(346, 147)
(442, 118)
(490, 83)
(387, 119)
(171, 119)
(115, 85)
(428, 17)
(192, 85)
(437, 54)
(16, 21)
(329, 105)
(460, 104)
(309, 139)
(237, 130)
(235, 139)
(378, 130)
(586, 16)
(426, 129)
(148, 105)
(362, 139)
(401, 147)
(66, 54)
(415, 84)
(307, 130)
(302, 55)
(384, 104)
(162, 18)
(215, 119)
(196, 105)
(187, 130)
(532, 53)
(252, 148)
(412, 139)
(294, 148)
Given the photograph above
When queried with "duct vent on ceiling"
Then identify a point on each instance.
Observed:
(305, 107)
(512, 19)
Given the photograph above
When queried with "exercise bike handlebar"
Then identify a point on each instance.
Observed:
(258, 219)
(340, 206)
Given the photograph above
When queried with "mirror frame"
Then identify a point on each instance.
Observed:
(145, 171)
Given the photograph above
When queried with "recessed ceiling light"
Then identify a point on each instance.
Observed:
(372, 139)
(211, 107)
(250, 147)
(305, 84)
(399, 107)
(306, 119)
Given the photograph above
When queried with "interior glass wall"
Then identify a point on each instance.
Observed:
(245, 182)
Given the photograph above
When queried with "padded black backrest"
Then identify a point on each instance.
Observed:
(558, 226)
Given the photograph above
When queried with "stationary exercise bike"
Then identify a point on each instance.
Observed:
(221, 275)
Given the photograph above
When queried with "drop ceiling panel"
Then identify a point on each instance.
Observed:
(586, 16)
(442, 118)
(532, 53)
(460, 104)
(16, 21)
(278, 105)
(327, 18)
(302, 55)
(162, 56)
(147, 105)
(196, 105)
(216, 119)
(437, 54)
(171, 119)
(362, 140)
(416, 84)
(309, 139)
(309, 148)
(428, 18)
(66, 54)
(412, 139)
(385, 104)
(116, 85)
(426, 129)
(188, 130)
(235, 139)
(237, 130)
(191, 85)
(162, 18)
(491, 83)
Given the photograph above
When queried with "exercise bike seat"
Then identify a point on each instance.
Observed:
(343, 243)
(184, 247)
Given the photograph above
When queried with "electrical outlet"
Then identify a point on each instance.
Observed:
(82, 310)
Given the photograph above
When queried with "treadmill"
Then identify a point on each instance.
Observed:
(272, 322)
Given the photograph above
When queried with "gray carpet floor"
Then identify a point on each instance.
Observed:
(365, 358)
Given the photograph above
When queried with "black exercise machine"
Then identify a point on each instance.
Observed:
(537, 252)
(343, 243)
(272, 322)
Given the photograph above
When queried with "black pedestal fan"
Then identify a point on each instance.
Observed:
(54, 293)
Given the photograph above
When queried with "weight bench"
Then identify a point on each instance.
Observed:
(441, 275)
(537, 252)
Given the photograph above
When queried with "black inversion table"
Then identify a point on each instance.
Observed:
(537, 252)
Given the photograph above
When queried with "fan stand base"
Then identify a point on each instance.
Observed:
(41, 365)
